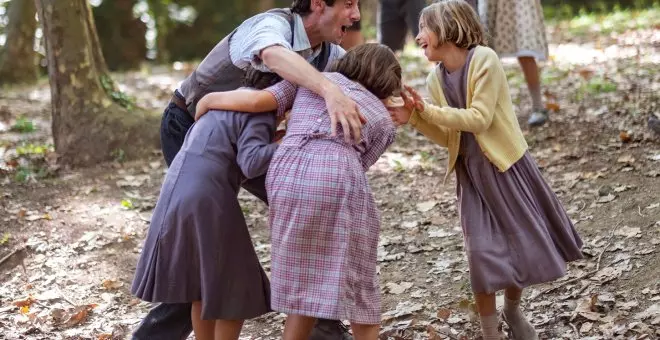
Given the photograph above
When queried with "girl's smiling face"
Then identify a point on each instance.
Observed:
(428, 41)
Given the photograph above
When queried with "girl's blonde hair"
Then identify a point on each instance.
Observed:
(454, 21)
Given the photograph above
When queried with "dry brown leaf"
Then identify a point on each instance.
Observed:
(25, 302)
(80, 315)
(111, 284)
(444, 314)
(552, 106)
(432, 333)
(624, 136)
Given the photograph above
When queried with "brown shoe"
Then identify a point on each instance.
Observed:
(330, 330)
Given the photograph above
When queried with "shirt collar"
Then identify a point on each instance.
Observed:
(300, 38)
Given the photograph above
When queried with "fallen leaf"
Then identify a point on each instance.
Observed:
(397, 289)
(444, 314)
(25, 302)
(79, 315)
(624, 136)
(606, 275)
(112, 284)
(627, 159)
(653, 206)
(586, 327)
(552, 106)
(606, 199)
(652, 311)
(426, 206)
(628, 232)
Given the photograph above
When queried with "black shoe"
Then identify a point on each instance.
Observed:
(330, 330)
(538, 118)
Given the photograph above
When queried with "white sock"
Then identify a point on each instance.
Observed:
(514, 317)
(489, 325)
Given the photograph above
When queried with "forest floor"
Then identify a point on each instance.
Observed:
(70, 239)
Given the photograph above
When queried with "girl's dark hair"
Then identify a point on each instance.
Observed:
(259, 80)
(304, 7)
(372, 65)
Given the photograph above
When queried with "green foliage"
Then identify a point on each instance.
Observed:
(127, 204)
(600, 85)
(34, 150)
(398, 166)
(32, 162)
(5, 238)
(568, 9)
(119, 155)
(115, 94)
(23, 125)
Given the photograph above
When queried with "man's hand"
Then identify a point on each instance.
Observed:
(343, 110)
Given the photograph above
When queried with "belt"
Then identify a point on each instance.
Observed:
(179, 102)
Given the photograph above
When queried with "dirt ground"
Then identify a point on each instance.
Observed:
(70, 239)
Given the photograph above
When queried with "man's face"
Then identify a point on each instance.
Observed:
(334, 20)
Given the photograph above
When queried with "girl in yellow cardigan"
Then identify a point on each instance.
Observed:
(516, 231)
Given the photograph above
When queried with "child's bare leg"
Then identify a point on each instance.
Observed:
(520, 326)
(203, 329)
(488, 316)
(531, 71)
(298, 327)
(228, 329)
(365, 332)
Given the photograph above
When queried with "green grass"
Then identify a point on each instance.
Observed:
(616, 21)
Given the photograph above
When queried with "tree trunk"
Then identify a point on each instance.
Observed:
(18, 59)
(88, 127)
(160, 13)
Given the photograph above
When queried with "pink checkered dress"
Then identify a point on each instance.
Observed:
(324, 221)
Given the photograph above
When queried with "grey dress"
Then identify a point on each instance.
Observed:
(198, 246)
(516, 231)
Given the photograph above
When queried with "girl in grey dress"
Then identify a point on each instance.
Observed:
(516, 231)
(198, 248)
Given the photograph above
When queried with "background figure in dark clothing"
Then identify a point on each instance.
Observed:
(396, 18)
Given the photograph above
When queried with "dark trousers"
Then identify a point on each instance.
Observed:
(171, 321)
(396, 19)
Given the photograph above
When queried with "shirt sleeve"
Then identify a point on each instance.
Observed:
(255, 35)
(379, 131)
(285, 94)
(254, 145)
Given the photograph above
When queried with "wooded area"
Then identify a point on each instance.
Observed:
(124, 35)
(83, 85)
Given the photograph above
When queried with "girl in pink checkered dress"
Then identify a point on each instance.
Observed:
(324, 221)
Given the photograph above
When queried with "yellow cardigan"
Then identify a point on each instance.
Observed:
(489, 114)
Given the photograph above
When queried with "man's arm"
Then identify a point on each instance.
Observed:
(294, 68)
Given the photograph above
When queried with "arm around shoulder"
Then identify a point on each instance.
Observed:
(241, 100)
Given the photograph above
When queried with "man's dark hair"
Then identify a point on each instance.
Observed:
(304, 7)
(259, 80)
